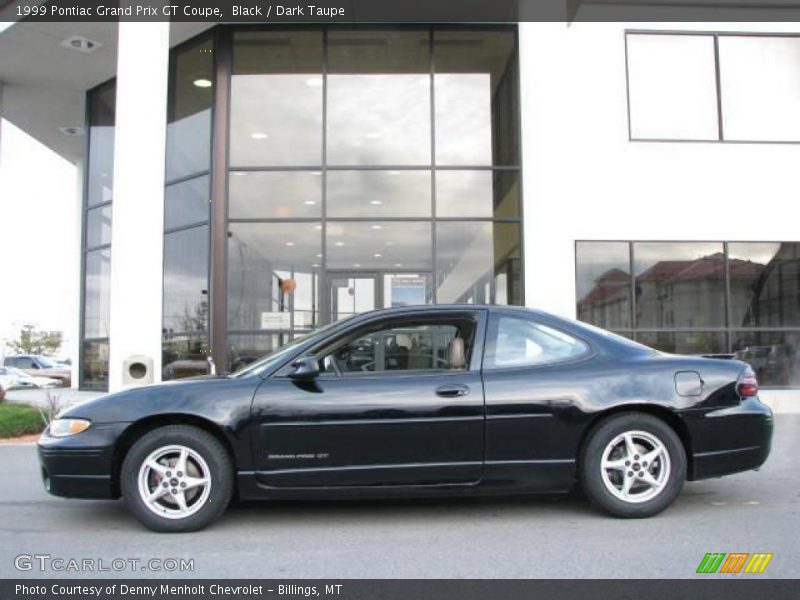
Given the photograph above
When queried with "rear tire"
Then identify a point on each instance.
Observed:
(177, 478)
(633, 465)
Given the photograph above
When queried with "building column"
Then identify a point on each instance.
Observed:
(138, 213)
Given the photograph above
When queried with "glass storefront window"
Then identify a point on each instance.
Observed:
(380, 245)
(679, 284)
(244, 349)
(189, 112)
(378, 96)
(774, 355)
(272, 275)
(186, 281)
(700, 298)
(483, 194)
(765, 284)
(759, 88)
(476, 90)
(275, 194)
(98, 226)
(685, 342)
(478, 262)
(186, 203)
(276, 99)
(184, 355)
(96, 294)
(379, 194)
(603, 284)
(672, 87)
(94, 365)
(100, 170)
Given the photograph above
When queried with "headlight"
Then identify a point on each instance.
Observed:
(67, 427)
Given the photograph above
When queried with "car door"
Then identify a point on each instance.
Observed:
(533, 378)
(394, 404)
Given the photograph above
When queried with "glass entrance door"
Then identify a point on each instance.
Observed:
(350, 293)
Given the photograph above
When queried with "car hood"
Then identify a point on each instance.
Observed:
(213, 397)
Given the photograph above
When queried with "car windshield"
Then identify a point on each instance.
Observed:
(276, 356)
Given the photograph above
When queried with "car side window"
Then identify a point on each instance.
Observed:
(403, 346)
(520, 342)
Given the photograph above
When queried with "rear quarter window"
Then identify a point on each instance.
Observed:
(517, 342)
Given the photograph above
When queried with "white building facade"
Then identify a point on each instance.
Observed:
(245, 185)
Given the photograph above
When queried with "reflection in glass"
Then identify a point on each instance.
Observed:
(760, 87)
(189, 118)
(483, 194)
(275, 194)
(184, 355)
(407, 289)
(476, 91)
(774, 355)
(693, 342)
(378, 98)
(765, 284)
(100, 170)
(186, 282)
(603, 284)
(379, 245)
(273, 281)
(679, 284)
(244, 349)
(97, 294)
(94, 365)
(478, 263)
(186, 203)
(379, 193)
(276, 99)
(98, 226)
(672, 87)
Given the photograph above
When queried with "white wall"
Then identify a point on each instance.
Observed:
(583, 179)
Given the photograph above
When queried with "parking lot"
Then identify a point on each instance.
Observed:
(548, 536)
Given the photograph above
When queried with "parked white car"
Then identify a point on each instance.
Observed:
(16, 379)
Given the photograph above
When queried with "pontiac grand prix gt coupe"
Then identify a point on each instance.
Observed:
(429, 400)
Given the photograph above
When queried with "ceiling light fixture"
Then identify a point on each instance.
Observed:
(377, 226)
(314, 82)
(339, 244)
(289, 244)
(310, 202)
(375, 202)
(376, 255)
(258, 135)
(202, 82)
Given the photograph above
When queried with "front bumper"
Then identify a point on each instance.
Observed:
(730, 440)
(82, 465)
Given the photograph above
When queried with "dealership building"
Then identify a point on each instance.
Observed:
(243, 185)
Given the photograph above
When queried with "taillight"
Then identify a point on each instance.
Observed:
(747, 384)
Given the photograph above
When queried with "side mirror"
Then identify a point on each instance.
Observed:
(305, 368)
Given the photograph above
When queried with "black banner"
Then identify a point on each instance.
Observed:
(399, 11)
(410, 589)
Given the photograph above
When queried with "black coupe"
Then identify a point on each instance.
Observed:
(432, 400)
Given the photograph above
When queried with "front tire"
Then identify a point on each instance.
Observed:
(633, 465)
(177, 478)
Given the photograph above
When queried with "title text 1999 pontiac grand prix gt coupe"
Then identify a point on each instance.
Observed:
(434, 400)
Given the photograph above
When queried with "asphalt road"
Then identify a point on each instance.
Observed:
(548, 536)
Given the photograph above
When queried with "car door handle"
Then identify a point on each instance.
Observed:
(452, 391)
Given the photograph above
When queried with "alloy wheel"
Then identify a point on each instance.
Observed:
(635, 466)
(174, 482)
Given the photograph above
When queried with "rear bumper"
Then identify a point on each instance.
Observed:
(80, 466)
(730, 440)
